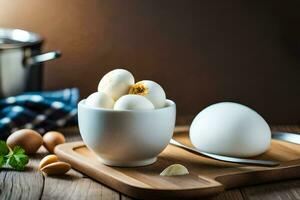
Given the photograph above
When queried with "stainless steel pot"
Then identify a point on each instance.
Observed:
(21, 61)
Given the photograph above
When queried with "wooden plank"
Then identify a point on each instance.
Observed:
(123, 197)
(26, 184)
(228, 195)
(288, 190)
(287, 128)
(74, 185)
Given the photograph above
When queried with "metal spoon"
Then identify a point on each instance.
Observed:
(286, 136)
(268, 163)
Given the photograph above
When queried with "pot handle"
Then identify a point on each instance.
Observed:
(42, 58)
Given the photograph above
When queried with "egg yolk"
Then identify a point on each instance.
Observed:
(139, 89)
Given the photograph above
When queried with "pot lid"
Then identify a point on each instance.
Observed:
(15, 38)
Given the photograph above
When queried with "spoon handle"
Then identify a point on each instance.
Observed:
(268, 163)
(285, 136)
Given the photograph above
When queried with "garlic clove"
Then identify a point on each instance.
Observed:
(56, 168)
(175, 170)
(48, 160)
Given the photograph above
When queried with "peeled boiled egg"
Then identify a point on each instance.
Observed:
(230, 129)
(133, 102)
(151, 90)
(101, 100)
(116, 83)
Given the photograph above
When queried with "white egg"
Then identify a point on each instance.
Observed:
(230, 129)
(116, 83)
(133, 102)
(151, 90)
(100, 99)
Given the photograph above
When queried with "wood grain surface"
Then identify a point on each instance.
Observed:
(32, 185)
(206, 176)
(22, 185)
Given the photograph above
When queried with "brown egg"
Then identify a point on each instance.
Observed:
(28, 139)
(53, 138)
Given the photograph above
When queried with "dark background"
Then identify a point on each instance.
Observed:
(201, 52)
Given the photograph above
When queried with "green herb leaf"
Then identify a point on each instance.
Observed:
(17, 158)
(4, 150)
(2, 161)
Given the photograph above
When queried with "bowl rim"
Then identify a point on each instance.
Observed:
(169, 104)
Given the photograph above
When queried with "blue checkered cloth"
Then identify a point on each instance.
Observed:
(41, 111)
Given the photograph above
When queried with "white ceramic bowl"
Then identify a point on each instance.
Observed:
(126, 138)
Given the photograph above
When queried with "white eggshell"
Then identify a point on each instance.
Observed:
(133, 102)
(151, 90)
(116, 83)
(230, 129)
(101, 100)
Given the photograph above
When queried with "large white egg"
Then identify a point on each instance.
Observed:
(133, 102)
(116, 83)
(151, 90)
(230, 129)
(100, 100)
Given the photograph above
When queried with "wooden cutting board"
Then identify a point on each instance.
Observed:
(207, 176)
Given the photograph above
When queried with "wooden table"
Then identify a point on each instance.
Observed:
(31, 184)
